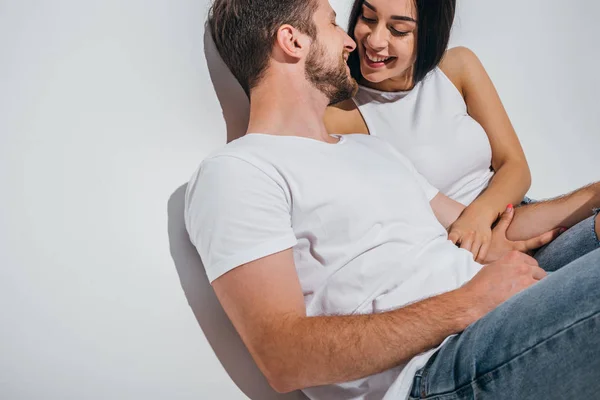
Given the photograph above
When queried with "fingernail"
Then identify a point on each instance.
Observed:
(509, 208)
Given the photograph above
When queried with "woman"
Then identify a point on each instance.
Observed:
(441, 110)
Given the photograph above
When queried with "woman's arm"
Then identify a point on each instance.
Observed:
(512, 177)
(447, 211)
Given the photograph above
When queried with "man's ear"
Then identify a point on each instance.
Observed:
(292, 42)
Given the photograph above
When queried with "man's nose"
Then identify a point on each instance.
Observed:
(349, 44)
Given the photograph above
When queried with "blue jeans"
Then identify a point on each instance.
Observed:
(577, 241)
(543, 343)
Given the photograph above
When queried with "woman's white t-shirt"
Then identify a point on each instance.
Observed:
(431, 127)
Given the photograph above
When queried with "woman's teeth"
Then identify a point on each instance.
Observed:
(378, 59)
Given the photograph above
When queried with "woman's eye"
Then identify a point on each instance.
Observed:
(398, 33)
(367, 20)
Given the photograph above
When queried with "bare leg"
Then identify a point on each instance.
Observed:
(565, 211)
(598, 225)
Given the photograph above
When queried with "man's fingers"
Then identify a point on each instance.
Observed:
(538, 273)
(527, 259)
(542, 240)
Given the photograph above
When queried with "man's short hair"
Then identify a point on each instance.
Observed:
(245, 31)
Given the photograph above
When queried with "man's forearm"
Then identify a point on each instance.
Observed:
(565, 211)
(313, 351)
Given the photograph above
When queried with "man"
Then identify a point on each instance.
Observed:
(329, 254)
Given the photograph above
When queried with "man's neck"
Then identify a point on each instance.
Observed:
(283, 108)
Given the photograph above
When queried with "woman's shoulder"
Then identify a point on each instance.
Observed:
(458, 64)
(343, 118)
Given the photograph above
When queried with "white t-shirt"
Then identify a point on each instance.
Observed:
(430, 125)
(357, 215)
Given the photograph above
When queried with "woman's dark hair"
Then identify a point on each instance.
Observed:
(244, 32)
(434, 19)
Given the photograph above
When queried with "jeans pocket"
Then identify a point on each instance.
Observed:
(415, 391)
(418, 390)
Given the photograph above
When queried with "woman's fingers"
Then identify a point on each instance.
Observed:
(454, 236)
(476, 247)
(505, 220)
(466, 242)
(483, 252)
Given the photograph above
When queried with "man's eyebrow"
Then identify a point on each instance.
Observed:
(394, 17)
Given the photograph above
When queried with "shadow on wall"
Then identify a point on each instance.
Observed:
(211, 317)
(233, 99)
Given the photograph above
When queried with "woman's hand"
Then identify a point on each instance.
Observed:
(472, 233)
(500, 245)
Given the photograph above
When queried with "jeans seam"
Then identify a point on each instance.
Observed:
(425, 373)
(487, 376)
(596, 211)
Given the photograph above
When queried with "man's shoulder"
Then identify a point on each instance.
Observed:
(241, 161)
(237, 154)
(229, 175)
(255, 145)
(239, 146)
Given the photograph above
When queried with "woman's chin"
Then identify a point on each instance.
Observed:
(373, 76)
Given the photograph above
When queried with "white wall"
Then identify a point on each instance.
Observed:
(105, 110)
(543, 56)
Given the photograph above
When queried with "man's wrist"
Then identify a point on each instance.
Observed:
(467, 311)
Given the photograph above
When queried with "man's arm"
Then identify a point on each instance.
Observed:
(564, 211)
(447, 212)
(264, 301)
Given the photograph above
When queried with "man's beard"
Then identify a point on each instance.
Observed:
(332, 80)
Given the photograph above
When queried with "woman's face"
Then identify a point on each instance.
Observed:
(386, 37)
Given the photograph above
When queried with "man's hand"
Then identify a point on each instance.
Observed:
(499, 281)
(500, 245)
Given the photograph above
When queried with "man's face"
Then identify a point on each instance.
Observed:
(326, 66)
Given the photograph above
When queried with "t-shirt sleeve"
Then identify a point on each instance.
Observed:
(236, 213)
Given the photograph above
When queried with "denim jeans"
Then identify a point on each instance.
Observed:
(577, 241)
(543, 343)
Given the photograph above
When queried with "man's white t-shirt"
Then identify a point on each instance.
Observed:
(357, 215)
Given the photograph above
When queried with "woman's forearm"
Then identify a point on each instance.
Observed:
(508, 186)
